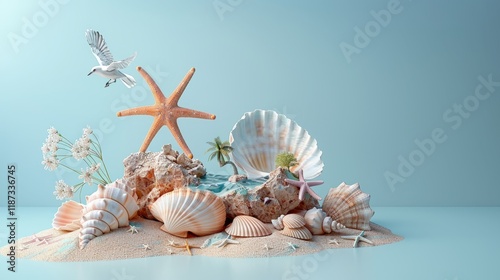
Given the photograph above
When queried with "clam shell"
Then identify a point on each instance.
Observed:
(247, 226)
(293, 221)
(184, 210)
(348, 205)
(259, 136)
(68, 216)
(299, 233)
(108, 208)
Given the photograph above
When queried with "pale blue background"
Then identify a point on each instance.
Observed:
(268, 55)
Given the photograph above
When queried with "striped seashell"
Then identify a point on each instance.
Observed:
(110, 207)
(68, 216)
(299, 233)
(348, 205)
(293, 221)
(247, 226)
(184, 210)
(259, 136)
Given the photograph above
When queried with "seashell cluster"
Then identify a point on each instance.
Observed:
(292, 225)
(247, 226)
(348, 205)
(184, 210)
(317, 222)
(68, 215)
(259, 136)
(110, 207)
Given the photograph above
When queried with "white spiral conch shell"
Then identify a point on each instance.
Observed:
(348, 205)
(68, 215)
(184, 210)
(259, 136)
(319, 223)
(108, 208)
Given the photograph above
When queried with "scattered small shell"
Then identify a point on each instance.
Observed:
(68, 216)
(184, 210)
(247, 226)
(299, 233)
(278, 222)
(293, 221)
(348, 205)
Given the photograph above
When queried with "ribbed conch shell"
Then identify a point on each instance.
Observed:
(68, 216)
(319, 223)
(247, 226)
(184, 210)
(292, 225)
(259, 136)
(110, 207)
(348, 205)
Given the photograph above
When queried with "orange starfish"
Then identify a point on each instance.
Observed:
(166, 111)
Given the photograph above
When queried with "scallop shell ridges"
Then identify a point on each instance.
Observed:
(247, 226)
(68, 216)
(259, 136)
(348, 205)
(299, 233)
(108, 208)
(184, 210)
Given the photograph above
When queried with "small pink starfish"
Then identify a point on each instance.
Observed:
(304, 186)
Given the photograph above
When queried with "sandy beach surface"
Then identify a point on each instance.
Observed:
(59, 246)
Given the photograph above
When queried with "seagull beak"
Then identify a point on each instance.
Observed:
(90, 73)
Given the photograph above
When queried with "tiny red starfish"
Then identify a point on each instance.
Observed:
(166, 111)
(304, 186)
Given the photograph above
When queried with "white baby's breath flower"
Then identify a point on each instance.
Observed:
(50, 162)
(54, 136)
(45, 148)
(87, 131)
(87, 176)
(95, 167)
(52, 130)
(81, 148)
(60, 191)
(68, 192)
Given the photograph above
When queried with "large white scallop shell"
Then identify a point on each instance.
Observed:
(247, 226)
(259, 136)
(348, 205)
(184, 210)
(68, 216)
(110, 207)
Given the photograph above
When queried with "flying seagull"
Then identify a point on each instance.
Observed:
(108, 68)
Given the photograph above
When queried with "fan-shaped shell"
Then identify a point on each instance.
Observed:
(259, 136)
(247, 226)
(184, 210)
(108, 208)
(299, 233)
(68, 216)
(348, 205)
(293, 221)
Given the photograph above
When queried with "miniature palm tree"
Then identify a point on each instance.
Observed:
(221, 150)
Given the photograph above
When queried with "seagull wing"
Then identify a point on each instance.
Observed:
(120, 64)
(99, 47)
